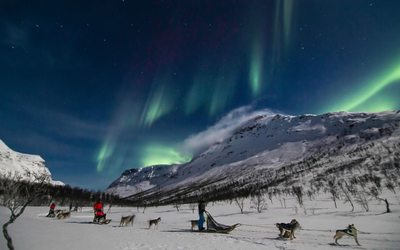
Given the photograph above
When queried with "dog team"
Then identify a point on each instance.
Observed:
(286, 230)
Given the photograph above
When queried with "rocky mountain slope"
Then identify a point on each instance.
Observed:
(14, 162)
(277, 151)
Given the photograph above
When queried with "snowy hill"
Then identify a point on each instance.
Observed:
(273, 151)
(14, 162)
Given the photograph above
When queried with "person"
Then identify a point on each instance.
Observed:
(51, 211)
(202, 209)
(98, 211)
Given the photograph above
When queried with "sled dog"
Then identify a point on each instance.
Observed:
(155, 223)
(194, 223)
(63, 215)
(288, 227)
(57, 211)
(350, 231)
(125, 220)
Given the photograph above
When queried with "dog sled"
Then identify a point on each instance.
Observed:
(102, 221)
(215, 227)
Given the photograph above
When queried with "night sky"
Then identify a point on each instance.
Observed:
(98, 87)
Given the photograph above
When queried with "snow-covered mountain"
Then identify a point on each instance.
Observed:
(14, 162)
(272, 150)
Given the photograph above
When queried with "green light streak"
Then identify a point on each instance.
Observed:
(379, 105)
(287, 20)
(255, 67)
(105, 152)
(361, 100)
(156, 154)
(197, 95)
(159, 103)
(212, 93)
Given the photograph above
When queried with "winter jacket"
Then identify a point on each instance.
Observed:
(98, 206)
(202, 207)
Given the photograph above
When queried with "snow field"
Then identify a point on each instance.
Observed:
(378, 230)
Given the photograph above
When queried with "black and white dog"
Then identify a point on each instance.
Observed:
(154, 222)
(290, 228)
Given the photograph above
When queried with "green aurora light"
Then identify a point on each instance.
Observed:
(256, 63)
(159, 103)
(363, 99)
(156, 154)
(105, 153)
(287, 20)
(212, 93)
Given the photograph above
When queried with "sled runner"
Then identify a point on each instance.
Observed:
(102, 222)
(215, 227)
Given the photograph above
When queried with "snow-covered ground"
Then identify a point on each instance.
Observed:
(378, 230)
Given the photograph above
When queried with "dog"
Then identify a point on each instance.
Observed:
(155, 223)
(63, 215)
(350, 231)
(125, 220)
(288, 228)
(195, 223)
(57, 211)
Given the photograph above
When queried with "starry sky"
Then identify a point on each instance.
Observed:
(98, 87)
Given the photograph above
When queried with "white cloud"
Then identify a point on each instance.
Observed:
(222, 130)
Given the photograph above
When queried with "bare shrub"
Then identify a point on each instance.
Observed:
(259, 202)
(18, 193)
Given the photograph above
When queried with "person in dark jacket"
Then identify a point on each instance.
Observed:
(202, 209)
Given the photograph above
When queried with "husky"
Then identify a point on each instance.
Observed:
(195, 223)
(125, 220)
(57, 211)
(155, 223)
(288, 228)
(63, 215)
(350, 231)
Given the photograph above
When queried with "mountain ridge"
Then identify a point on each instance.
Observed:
(267, 144)
(14, 162)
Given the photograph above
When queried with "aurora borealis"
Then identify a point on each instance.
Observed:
(96, 88)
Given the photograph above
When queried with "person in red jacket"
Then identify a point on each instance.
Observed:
(98, 211)
(51, 211)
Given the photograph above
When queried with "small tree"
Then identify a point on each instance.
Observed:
(177, 206)
(362, 199)
(240, 202)
(18, 193)
(298, 192)
(346, 194)
(375, 193)
(333, 191)
(259, 202)
(386, 202)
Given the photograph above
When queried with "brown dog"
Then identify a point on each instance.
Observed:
(125, 220)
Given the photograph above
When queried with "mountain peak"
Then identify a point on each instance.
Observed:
(20, 163)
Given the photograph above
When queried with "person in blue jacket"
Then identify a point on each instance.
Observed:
(202, 209)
